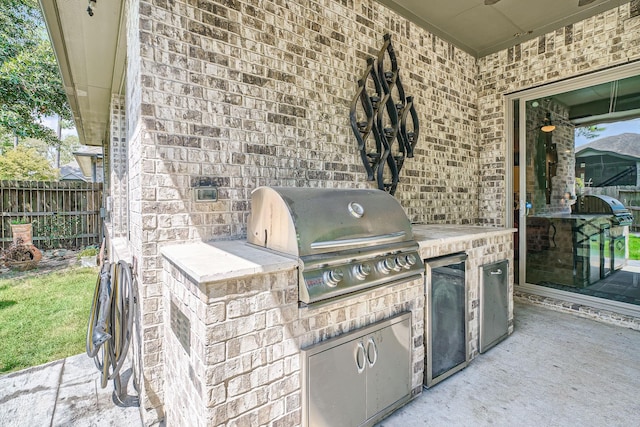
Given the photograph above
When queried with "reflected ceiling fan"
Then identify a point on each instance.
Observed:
(580, 2)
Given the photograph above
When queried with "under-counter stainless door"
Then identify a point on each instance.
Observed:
(446, 318)
(494, 304)
(618, 247)
(388, 366)
(606, 250)
(337, 386)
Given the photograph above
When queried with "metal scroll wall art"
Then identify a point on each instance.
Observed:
(383, 119)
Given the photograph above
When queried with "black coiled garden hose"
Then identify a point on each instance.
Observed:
(110, 325)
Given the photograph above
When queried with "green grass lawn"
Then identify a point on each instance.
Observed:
(634, 247)
(44, 318)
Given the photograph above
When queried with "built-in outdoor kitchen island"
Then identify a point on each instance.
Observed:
(237, 337)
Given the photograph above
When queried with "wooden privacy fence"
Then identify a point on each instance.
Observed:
(631, 199)
(63, 214)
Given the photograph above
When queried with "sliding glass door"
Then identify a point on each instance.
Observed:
(570, 168)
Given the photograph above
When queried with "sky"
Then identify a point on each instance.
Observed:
(611, 129)
(52, 122)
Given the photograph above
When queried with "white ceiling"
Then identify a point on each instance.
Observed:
(481, 29)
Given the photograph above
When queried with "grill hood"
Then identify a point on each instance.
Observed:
(346, 241)
(598, 204)
(313, 221)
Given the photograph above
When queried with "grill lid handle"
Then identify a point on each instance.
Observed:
(377, 240)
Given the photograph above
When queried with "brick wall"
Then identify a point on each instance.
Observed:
(148, 349)
(245, 93)
(257, 93)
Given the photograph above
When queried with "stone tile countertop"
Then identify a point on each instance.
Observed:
(206, 262)
(436, 234)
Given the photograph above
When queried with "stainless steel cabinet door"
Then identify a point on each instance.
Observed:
(337, 391)
(494, 304)
(388, 354)
(357, 378)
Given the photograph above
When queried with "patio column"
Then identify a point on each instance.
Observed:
(117, 206)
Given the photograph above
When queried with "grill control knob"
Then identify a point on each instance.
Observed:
(332, 278)
(396, 263)
(411, 260)
(361, 271)
(386, 265)
(401, 261)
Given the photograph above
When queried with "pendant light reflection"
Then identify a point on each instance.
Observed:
(547, 125)
(92, 5)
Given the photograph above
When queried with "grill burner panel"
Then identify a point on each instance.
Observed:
(345, 240)
(353, 272)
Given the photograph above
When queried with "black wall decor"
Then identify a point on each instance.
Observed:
(383, 119)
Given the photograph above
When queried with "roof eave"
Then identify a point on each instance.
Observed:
(90, 52)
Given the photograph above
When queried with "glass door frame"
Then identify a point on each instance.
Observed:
(522, 97)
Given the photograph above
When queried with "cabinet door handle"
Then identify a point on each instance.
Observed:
(360, 355)
(371, 344)
(498, 271)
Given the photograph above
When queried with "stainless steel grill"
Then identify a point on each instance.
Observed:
(610, 217)
(346, 241)
(596, 204)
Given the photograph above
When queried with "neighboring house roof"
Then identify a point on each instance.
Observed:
(71, 172)
(623, 145)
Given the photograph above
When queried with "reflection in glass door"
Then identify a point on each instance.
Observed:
(550, 192)
(564, 243)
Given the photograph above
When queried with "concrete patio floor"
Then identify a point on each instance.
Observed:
(66, 392)
(556, 369)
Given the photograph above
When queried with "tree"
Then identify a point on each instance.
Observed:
(30, 83)
(68, 145)
(589, 132)
(25, 164)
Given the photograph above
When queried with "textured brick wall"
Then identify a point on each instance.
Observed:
(241, 364)
(148, 356)
(244, 94)
(602, 41)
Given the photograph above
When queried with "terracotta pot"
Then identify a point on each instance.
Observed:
(23, 258)
(31, 254)
(24, 232)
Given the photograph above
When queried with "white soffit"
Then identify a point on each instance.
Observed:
(90, 52)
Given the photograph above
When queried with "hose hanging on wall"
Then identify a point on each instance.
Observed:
(110, 326)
